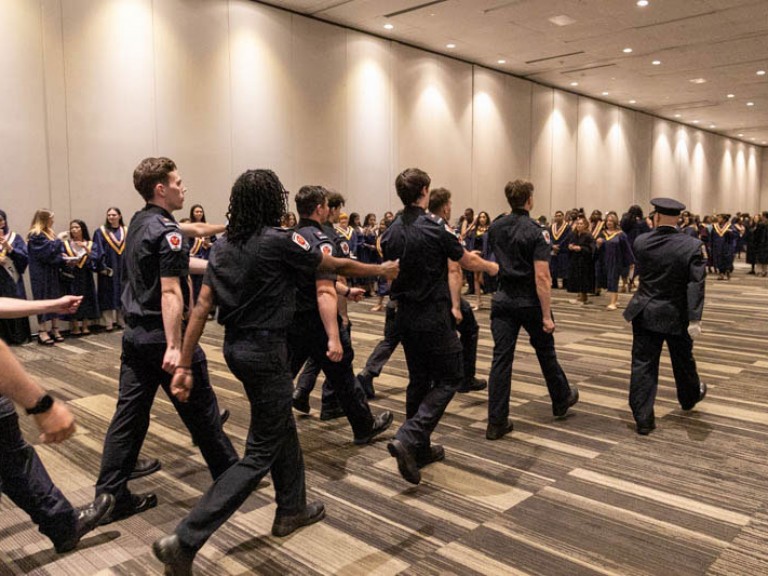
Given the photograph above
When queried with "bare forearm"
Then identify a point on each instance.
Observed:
(172, 307)
(544, 292)
(474, 263)
(194, 331)
(328, 308)
(15, 382)
(197, 265)
(16, 308)
(454, 283)
(201, 229)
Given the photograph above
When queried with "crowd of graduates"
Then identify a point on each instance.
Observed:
(589, 254)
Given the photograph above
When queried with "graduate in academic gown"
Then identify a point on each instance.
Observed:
(45, 261)
(722, 242)
(78, 277)
(581, 275)
(108, 245)
(13, 264)
(560, 237)
(615, 255)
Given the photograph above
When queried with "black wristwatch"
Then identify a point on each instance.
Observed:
(43, 405)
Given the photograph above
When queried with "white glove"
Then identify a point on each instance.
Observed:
(694, 330)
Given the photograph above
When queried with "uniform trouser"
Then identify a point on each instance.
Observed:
(434, 358)
(506, 322)
(307, 339)
(644, 382)
(468, 336)
(140, 374)
(309, 374)
(260, 362)
(24, 480)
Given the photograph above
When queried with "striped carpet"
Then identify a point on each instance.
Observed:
(582, 496)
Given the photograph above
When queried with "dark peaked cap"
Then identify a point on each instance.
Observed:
(668, 206)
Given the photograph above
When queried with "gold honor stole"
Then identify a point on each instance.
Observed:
(84, 257)
(557, 233)
(598, 229)
(347, 235)
(10, 239)
(721, 231)
(117, 245)
(196, 247)
(609, 236)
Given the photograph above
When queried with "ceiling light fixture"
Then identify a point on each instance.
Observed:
(502, 61)
(740, 135)
(388, 26)
(761, 72)
(695, 121)
(605, 93)
(450, 45)
(574, 83)
(627, 50)
(677, 115)
(697, 80)
(642, 3)
(731, 95)
(712, 126)
(656, 62)
(633, 101)
(750, 103)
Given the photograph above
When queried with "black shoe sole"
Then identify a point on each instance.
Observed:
(282, 532)
(406, 464)
(148, 502)
(376, 431)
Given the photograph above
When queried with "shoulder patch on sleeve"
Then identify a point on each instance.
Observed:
(174, 240)
(451, 231)
(300, 240)
(345, 248)
(547, 239)
(326, 249)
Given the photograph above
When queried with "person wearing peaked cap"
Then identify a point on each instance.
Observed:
(667, 307)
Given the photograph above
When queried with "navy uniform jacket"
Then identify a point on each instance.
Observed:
(306, 286)
(671, 291)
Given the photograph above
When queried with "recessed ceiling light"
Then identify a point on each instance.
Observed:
(605, 93)
(697, 80)
(740, 135)
(574, 83)
(764, 142)
(633, 101)
(750, 103)
(656, 62)
(642, 3)
(695, 121)
(627, 50)
(731, 95)
(677, 115)
(761, 72)
(450, 45)
(502, 61)
(562, 20)
(712, 126)
(388, 26)
(752, 138)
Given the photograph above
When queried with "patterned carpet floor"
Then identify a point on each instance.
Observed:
(577, 497)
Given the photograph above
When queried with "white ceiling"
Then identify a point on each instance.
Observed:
(724, 42)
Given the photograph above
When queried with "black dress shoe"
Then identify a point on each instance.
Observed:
(498, 431)
(473, 385)
(702, 395)
(366, 383)
(88, 517)
(645, 428)
(436, 453)
(176, 558)
(284, 525)
(573, 397)
(406, 462)
(145, 467)
(331, 413)
(301, 401)
(139, 503)
(380, 424)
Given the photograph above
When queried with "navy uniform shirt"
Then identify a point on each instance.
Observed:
(423, 242)
(319, 241)
(517, 240)
(154, 249)
(254, 284)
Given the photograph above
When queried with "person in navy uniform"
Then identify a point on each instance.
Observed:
(667, 307)
(317, 332)
(523, 300)
(423, 243)
(23, 477)
(155, 293)
(252, 278)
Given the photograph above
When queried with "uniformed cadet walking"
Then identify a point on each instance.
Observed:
(317, 330)
(155, 292)
(424, 242)
(522, 249)
(251, 277)
(667, 307)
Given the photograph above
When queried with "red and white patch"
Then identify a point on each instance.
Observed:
(326, 249)
(345, 248)
(547, 239)
(174, 240)
(300, 240)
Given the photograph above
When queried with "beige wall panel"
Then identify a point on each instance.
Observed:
(193, 109)
(542, 122)
(501, 130)
(762, 156)
(701, 176)
(434, 119)
(369, 125)
(683, 154)
(641, 152)
(319, 103)
(65, 205)
(664, 177)
(565, 122)
(24, 176)
(109, 63)
(262, 89)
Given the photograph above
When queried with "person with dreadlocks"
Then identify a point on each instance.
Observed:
(252, 275)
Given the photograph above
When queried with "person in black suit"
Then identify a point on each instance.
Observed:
(666, 307)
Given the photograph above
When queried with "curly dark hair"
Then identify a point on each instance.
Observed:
(258, 199)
